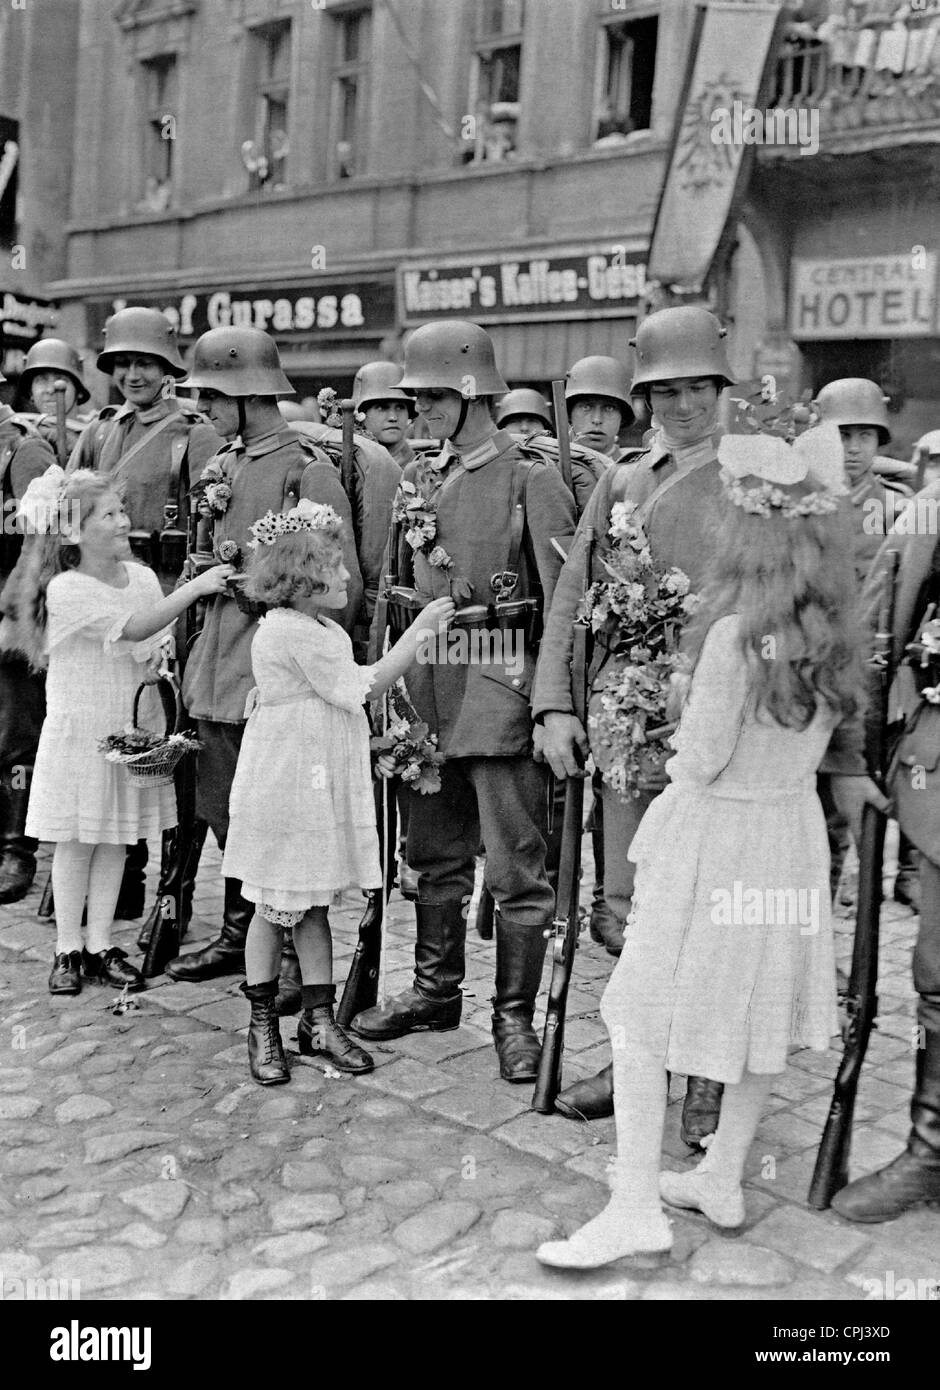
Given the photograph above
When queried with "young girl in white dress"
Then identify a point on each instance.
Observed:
(105, 622)
(728, 958)
(302, 812)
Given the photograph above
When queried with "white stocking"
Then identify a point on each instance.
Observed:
(741, 1109)
(70, 864)
(104, 884)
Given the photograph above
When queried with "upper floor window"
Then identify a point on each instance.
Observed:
(625, 71)
(494, 80)
(159, 81)
(265, 154)
(352, 52)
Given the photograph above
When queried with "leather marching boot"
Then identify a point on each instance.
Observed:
(226, 954)
(700, 1111)
(605, 928)
(319, 1035)
(592, 1099)
(520, 954)
(17, 849)
(907, 883)
(266, 1058)
(913, 1178)
(133, 890)
(169, 871)
(435, 1002)
(289, 983)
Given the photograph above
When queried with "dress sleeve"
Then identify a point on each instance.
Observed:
(714, 713)
(325, 658)
(101, 613)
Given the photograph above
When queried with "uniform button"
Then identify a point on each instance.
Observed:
(515, 680)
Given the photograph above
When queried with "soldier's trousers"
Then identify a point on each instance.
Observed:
(215, 772)
(22, 711)
(504, 803)
(621, 819)
(927, 949)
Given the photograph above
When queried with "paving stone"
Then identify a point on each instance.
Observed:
(159, 1201)
(69, 1057)
(17, 1264)
(301, 1177)
(521, 1230)
(96, 1267)
(82, 1107)
(181, 996)
(375, 1291)
(296, 1246)
(37, 1189)
(141, 1236)
(481, 1107)
(13, 1079)
(103, 1148)
(102, 1066)
(810, 1238)
(201, 1230)
(26, 1162)
(233, 1199)
(19, 1107)
(306, 1209)
(73, 1203)
(738, 1262)
(193, 1276)
(336, 1269)
(407, 1194)
(407, 1078)
(437, 1225)
(231, 1015)
(248, 1283)
(278, 1108)
(372, 1168)
(549, 1136)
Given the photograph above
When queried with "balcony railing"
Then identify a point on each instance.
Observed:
(878, 73)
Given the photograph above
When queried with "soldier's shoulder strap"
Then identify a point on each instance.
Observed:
(622, 474)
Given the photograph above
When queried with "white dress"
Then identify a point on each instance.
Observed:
(76, 794)
(302, 814)
(728, 955)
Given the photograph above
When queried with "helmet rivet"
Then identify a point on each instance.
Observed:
(233, 352)
(465, 348)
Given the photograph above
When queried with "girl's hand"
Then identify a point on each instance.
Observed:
(384, 766)
(434, 618)
(213, 580)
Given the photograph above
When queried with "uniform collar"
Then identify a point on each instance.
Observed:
(157, 411)
(479, 454)
(268, 443)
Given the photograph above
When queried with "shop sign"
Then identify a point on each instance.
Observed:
(329, 308)
(865, 297)
(609, 280)
(23, 317)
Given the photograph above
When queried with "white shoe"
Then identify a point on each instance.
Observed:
(618, 1231)
(721, 1200)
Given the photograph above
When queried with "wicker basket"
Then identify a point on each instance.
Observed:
(155, 766)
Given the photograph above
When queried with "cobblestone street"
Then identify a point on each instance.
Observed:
(140, 1159)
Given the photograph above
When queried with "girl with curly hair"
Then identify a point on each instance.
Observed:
(728, 958)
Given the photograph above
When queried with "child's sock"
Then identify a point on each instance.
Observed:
(741, 1109)
(314, 945)
(262, 950)
(104, 884)
(70, 863)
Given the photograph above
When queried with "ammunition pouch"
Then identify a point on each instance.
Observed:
(145, 546)
(172, 546)
(404, 605)
(519, 615)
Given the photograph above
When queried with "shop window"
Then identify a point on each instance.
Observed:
(352, 39)
(265, 154)
(494, 80)
(158, 80)
(626, 66)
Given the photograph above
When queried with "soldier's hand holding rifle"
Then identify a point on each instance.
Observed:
(851, 795)
(559, 742)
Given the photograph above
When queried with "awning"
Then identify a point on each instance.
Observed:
(545, 351)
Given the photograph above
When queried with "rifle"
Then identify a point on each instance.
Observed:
(347, 467)
(59, 388)
(566, 926)
(164, 929)
(831, 1172)
(561, 431)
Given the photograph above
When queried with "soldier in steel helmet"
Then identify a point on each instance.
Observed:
(154, 445)
(524, 411)
(24, 455)
(487, 539)
(597, 397)
(859, 408)
(266, 466)
(49, 361)
(386, 411)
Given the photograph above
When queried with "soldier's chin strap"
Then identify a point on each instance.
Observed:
(240, 400)
(462, 417)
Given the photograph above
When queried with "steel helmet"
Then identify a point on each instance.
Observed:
(378, 381)
(452, 355)
(238, 362)
(929, 443)
(684, 342)
(855, 401)
(54, 355)
(142, 331)
(524, 401)
(600, 376)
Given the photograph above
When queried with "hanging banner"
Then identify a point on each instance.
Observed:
(716, 122)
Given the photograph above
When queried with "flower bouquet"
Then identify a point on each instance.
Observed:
(410, 743)
(924, 656)
(642, 609)
(146, 756)
(214, 490)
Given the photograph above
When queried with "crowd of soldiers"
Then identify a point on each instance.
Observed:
(505, 521)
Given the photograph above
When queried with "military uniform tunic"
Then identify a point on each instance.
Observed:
(491, 788)
(218, 675)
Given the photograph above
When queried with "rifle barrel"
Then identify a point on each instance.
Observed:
(561, 431)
